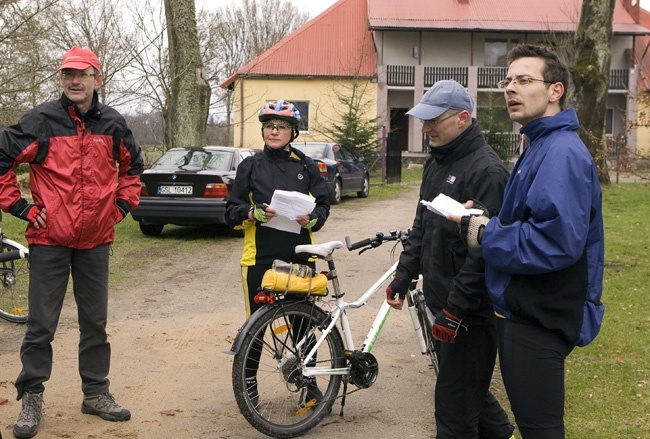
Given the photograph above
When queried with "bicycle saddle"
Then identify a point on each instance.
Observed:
(318, 250)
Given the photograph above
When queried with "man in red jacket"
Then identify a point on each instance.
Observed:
(84, 169)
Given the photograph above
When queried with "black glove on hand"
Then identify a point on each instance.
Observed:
(397, 286)
(446, 326)
(124, 207)
(25, 211)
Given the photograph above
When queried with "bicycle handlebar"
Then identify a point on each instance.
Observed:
(11, 255)
(379, 239)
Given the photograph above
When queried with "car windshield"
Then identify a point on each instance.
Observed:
(194, 161)
(316, 151)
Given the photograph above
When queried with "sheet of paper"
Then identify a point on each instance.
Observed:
(289, 205)
(444, 205)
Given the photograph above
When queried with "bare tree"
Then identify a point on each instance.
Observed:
(26, 70)
(237, 34)
(102, 29)
(590, 75)
(149, 75)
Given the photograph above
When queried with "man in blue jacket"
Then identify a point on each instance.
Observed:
(544, 253)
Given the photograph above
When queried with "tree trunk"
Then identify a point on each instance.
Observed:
(590, 75)
(190, 92)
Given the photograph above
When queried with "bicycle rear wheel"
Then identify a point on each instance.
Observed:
(14, 286)
(271, 391)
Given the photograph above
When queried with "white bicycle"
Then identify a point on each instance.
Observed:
(14, 279)
(292, 355)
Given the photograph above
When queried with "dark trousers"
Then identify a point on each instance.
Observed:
(50, 269)
(465, 408)
(532, 366)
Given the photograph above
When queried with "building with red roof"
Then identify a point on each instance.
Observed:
(398, 49)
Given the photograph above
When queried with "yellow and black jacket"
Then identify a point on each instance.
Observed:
(257, 178)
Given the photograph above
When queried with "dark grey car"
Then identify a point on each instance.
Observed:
(344, 172)
(188, 186)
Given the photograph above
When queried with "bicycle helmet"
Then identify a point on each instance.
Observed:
(281, 110)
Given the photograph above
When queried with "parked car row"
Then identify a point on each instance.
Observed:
(191, 186)
(344, 172)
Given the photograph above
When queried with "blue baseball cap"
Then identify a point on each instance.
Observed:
(440, 98)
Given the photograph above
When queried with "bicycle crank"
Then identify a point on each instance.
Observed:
(363, 368)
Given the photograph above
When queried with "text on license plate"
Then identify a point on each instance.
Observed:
(174, 190)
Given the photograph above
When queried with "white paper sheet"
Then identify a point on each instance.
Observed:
(289, 205)
(444, 205)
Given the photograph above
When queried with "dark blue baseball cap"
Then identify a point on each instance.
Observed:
(440, 98)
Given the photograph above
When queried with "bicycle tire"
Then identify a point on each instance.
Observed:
(14, 286)
(425, 316)
(275, 409)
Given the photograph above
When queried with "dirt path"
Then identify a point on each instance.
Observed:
(172, 321)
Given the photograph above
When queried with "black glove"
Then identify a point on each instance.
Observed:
(124, 207)
(446, 326)
(397, 286)
(25, 211)
(471, 226)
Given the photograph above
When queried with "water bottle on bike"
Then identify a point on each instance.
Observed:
(299, 270)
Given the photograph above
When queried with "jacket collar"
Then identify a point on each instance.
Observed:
(462, 145)
(566, 120)
(94, 111)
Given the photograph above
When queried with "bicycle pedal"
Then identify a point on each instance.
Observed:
(306, 408)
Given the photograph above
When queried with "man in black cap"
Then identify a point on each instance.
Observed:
(462, 166)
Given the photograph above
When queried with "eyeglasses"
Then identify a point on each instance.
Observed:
(520, 80)
(434, 122)
(271, 126)
(71, 74)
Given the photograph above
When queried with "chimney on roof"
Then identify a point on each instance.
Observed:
(632, 7)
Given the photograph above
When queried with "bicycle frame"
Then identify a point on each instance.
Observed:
(340, 314)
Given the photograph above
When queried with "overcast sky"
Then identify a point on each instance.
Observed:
(313, 7)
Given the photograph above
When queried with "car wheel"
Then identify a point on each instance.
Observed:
(335, 195)
(363, 193)
(151, 229)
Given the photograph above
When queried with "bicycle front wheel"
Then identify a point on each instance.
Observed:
(271, 391)
(14, 278)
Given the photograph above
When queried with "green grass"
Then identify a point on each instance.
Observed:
(608, 382)
(379, 190)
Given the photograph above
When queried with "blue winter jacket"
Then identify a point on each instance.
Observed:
(544, 253)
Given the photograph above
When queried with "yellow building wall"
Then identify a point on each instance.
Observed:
(643, 142)
(324, 105)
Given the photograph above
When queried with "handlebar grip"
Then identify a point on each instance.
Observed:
(11, 255)
(356, 245)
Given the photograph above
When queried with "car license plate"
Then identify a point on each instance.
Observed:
(174, 190)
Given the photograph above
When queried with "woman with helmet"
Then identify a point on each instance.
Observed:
(281, 167)
(278, 166)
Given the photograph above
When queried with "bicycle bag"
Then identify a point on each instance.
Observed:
(286, 283)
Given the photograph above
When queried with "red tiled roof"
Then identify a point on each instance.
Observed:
(642, 52)
(496, 15)
(332, 44)
(336, 43)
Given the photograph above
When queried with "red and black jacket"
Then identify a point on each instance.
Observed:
(80, 166)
